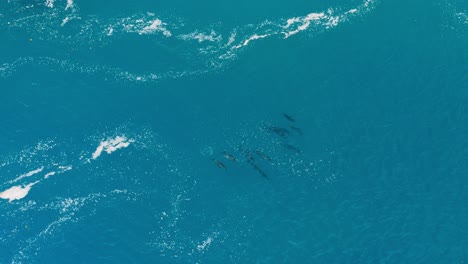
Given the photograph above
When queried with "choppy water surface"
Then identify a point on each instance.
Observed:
(233, 132)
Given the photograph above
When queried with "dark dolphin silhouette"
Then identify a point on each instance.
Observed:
(291, 148)
(259, 170)
(263, 156)
(229, 156)
(298, 130)
(246, 154)
(282, 132)
(219, 164)
(289, 118)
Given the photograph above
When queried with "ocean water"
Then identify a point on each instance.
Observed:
(345, 124)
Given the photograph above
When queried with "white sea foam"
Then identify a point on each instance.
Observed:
(69, 4)
(304, 23)
(65, 168)
(456, 18)
(333, 21)
(110, 31)
(65, 21)
(232, 38)
(111, 145)
(252, 38)
(49, 3)
(143, 25)
(205, 46)
(156, 26)
(17, 192)
(201, 37)
(61, 169)
(52, 173)
(59, 213)
(28, 174)
(462, 17)
(205, 244)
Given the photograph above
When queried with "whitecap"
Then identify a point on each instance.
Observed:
(61, 170)
(69, 5)
(304, 22)
(110, 31)
(49, 3)
(156, 26)
(17, 192)
(201, 37)
(252, 38)
(65, 21)
(111, 145)
(232, 38)
(205, 243)
(52, 173)
(28, 174)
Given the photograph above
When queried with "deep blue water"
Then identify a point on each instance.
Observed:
(114, 118)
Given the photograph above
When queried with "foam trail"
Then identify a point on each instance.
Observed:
(70, 4)
(16, 192)
(462, 17)
(65, 21)
(52, 173)
(304, 22)
(252, 38)
(29, 174)
(112, 145)
(156, 26)
(204, 44)
(205, 243)
(49, 3)
(200, 37)
(62, 170)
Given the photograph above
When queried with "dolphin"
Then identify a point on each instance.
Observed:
(282, 132)
(298, 130)
(291, 147)
(247, 154)
(219, 164)
(288, 117)
(259, 170)
(263, 155)
(229, 156)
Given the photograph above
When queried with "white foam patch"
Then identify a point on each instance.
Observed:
(462, 17)
(204, 44)
(16, 192)
(298, 24)
(65, 21)
(304, 23)
(65, 168)
(201, 37)
(49, 3)
(62, 169)
(60, 212)
(205, 244)
(232, 38)
(111, 145)
(252, 38)
(52, 173)
(28, 174)
(156, 26)
(69, 4)
(110, 31)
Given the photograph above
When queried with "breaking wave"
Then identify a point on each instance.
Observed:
(214, 47)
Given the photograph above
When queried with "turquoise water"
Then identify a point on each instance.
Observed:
(115, 118)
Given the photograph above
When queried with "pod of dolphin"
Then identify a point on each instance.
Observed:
(250, 156)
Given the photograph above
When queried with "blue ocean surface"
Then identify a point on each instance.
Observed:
(239, 131)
